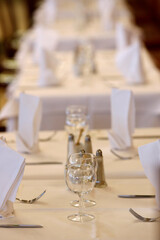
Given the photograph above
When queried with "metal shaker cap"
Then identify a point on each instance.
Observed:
(87, 138)
(81, 152)
(70, 137)
(99, 153)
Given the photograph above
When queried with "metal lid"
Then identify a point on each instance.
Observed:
(99, 153)
(87, 138)
(81, 152)
(70, 137)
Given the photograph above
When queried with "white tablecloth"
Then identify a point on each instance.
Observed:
(92, 91)
(112, 217)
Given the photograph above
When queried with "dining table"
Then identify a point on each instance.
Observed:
(112, 217)
(91, 90)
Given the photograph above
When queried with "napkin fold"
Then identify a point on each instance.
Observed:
(150, 159)
(30, 111)
(11, 172)
(129, 63)
(46, 13)
(10, 110)
(47, 69)
(45, 38)
(109, 13)
(125, 36)
(122, 119)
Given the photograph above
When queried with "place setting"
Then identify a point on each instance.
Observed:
(79, 120)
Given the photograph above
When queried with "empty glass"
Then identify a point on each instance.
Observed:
(86, 158)
(76, 120)
(80, 179)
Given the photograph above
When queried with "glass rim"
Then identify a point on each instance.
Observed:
(70, 109)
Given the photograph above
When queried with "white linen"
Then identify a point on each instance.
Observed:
(129, 63)
(45, 38)
(109, 13)
(122, 119)
(47, 69)
(125, 36)
(10, 109)
(11, 172)
(93, 91)
(150, 159)
(29, 123)
(46, 14)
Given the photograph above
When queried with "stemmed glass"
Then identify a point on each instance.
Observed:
(80, 179)
(83, 158)
(76, 120)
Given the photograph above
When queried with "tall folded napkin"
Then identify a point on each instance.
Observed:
(30, 111)
(122, 119)
(10, 110)
(47, 69)
(109, 13)
(125, 36)
(150, 159)
(129, 63)
(45, 38)
(46, 13)
(11, 172)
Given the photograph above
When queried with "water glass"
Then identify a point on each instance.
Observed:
(80, 179)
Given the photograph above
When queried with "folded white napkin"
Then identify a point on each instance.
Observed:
(10, 110)
(11, 172)
(47, 69)
(122, 119)
(46, 13)
(129, 63)
(30, 111)
(150, 159)
(108, 11)
(25, 48)
(45, 38)
(125, 36)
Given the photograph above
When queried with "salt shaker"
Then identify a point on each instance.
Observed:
(100, 182)
(88, 144)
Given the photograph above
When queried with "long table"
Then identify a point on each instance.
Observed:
(112, 217)
(93, 91)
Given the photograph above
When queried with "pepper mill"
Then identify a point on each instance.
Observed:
(100, 182)
(71, 145)
(88, 144)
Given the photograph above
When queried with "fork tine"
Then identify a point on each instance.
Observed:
(31, 200)
(136, 214)
(144, 219)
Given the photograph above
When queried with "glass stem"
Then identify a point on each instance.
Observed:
(80, 204)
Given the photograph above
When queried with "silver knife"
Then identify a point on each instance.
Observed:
(136, 196)
(42, 163)
(20, 226)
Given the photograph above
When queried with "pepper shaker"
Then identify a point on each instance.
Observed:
(100, 182)
(88, 144)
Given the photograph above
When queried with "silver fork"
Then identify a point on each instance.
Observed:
(122, 157)
(144, 219)
(31, 200)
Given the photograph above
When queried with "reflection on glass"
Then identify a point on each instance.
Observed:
(80, 179)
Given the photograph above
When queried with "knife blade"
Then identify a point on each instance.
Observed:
(136, 196)
(42, 163)
(20, 226)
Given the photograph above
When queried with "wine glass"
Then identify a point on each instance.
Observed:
(80, 179)
(76, 120)
(81, 158)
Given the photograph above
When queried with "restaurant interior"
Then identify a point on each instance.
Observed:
(80, 119)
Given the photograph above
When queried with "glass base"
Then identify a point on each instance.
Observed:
(86, 203)
(81, 217)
